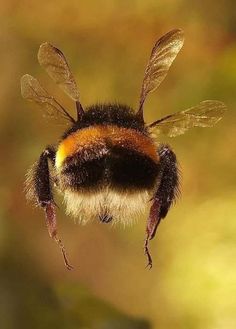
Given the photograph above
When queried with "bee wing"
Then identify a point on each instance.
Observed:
(206, 114)
(33, 91)
(55, 64)
(162, 56)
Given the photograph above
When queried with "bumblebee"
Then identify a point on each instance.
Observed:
(108, 164)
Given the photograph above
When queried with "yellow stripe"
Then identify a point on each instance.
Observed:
(98, 135)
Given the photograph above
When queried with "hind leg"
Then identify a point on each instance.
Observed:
(41, 181)
(165, 195)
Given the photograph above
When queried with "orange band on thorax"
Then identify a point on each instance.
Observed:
(94, 135)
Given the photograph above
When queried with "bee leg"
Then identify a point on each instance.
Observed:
(43, 191)
(152, 223)
(167, 192)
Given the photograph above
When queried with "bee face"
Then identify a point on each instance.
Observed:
(107, 165)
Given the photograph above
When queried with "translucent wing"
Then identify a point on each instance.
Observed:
(55, 64)
(33, 91)
(206, 114)
(162, 56)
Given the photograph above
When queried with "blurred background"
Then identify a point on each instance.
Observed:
(193, 281)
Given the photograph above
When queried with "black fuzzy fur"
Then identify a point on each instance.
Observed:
(41, 177)
(169, 184)
(130, 169)
(108, 114)
(167, 192)
(120, 169)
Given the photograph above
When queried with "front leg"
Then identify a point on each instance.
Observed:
(40, 182)
(167, 191)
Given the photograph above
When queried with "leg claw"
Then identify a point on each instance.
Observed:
(149, 264)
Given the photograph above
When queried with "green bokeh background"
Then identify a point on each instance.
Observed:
(107, 43)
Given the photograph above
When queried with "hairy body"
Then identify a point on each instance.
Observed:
(108, 164)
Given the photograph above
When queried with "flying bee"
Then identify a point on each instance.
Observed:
(108, 164)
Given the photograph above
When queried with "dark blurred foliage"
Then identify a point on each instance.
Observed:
(107, 44)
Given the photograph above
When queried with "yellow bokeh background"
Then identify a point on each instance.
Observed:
(193, 281)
